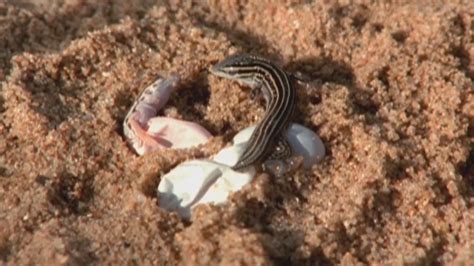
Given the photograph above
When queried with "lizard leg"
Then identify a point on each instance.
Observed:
(282, 150)
(276, 162)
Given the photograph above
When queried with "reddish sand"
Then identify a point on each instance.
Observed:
(390, 91)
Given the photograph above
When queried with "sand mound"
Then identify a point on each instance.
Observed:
(389, 90)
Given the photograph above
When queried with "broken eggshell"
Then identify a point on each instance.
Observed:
(146, 132)
(211, 181)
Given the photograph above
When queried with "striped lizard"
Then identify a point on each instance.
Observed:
(267, 141)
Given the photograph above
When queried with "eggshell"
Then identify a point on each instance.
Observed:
(212, 181)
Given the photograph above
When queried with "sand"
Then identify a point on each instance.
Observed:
(389, 89)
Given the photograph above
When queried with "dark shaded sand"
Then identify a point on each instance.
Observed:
(390, 92)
